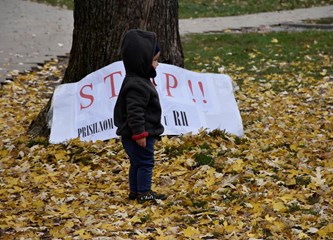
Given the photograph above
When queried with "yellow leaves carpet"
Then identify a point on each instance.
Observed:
(276, 182)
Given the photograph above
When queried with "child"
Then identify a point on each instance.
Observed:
(137, 113)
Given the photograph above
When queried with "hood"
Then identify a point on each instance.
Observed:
(137, 51)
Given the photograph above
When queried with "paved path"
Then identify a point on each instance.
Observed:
(32, 33)
(254, 20)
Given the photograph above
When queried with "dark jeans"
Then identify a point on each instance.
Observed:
(142, 164)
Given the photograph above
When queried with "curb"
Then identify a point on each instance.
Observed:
(307, 26)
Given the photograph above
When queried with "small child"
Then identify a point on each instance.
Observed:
(137, 113)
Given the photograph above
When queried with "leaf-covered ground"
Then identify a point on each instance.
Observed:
(276, 182)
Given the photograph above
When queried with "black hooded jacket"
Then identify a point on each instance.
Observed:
(137, 113)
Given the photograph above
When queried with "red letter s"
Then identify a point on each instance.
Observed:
(83, 95)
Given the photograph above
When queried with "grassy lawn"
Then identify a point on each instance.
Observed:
(219, 8)
(260, 54)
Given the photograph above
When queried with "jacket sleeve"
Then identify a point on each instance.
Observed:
(137, 99)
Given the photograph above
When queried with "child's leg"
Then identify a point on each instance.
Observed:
(142, 163)
(129, 146)
(133, 173)
(145, 166)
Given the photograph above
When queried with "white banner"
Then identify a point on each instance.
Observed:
(190, 101)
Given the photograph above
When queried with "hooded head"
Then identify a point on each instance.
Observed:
(137, 50)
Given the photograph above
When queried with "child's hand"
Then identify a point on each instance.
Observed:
(141, 142)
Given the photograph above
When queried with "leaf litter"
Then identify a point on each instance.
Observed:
(276, 182)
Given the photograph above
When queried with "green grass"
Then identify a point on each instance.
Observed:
(219, 8)
(260, 54)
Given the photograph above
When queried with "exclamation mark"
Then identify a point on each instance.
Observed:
(202, 90)
(190, 85)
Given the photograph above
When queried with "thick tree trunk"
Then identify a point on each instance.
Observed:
(98, 28)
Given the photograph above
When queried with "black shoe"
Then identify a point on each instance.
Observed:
(132, 195)
(150, 196)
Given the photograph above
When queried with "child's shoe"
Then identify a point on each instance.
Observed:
(132, 195)
(150, 196)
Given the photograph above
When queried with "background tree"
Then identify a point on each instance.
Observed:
(98, 28)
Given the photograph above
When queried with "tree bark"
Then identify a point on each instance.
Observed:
(98, 28)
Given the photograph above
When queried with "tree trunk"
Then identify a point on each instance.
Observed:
(98, 28)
